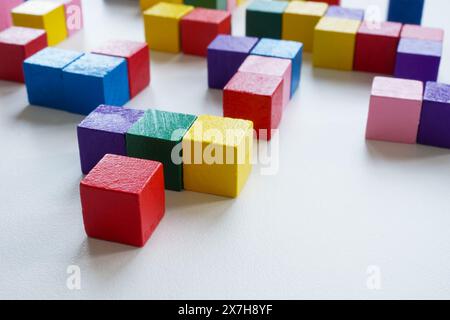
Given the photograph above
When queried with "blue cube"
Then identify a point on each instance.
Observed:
(285, 50)
(93, 80)
(43, 76)
(406, 11)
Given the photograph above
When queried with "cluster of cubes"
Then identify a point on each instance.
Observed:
(406, 111)
(258, 76)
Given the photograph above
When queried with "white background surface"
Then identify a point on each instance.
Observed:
(338, 204)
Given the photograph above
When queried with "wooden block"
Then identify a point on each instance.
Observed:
(200, 27)
(434, 129)
(376, 47)
(345, 13)
(273, 67)
(255, 97)
(93, 80)
(137, 55)
(265, 18)
(406, 11)
(334, 43)
(231, 5)
(123, 200)
(17, 44)
(418, 59)
(104, 131)
(394, 111)
(5, 12)
(299, 20)
(44, 76)
(162, 26)
(147, 4)
(209, 4)
(155, 137)
(411, 31)
(49, 16)
(330, 2)
(283, 49)
(217, 155)
(225, 55)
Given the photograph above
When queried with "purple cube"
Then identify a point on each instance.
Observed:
(225, 56)
(345, 13)
(103, 131)
(418, 59)
(434, 129)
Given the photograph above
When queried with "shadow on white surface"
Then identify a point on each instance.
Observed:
(43, 116)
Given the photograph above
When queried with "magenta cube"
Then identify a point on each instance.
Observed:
(394, 110)
(412, 31)
(5, 12)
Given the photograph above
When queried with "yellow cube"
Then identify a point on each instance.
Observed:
(299, 20)
(46, 15)
(146, 4)
(217, 155)
(162, 26)
(334, 43)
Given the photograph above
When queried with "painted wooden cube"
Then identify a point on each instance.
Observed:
(104, 131)
(330, 2)
(394, 110)
(273, 67)
(283, 49)
(44, 76)
(123, 200)
(162, 26)
(49, 16)
(93, 80)
(376, 47)
(418, 59)
(345, 13)
(137, 55)
(434, 128)
(209, 4)
(147, 4)
(255, 97)
(200, 27)
(299, 20)
(265, 18)
(157, 136)
(5, 12)
(225, 55)
(406, 11)
(17, 44)
(411, 31)
(334, 43)
(217, 155)
(231, 5)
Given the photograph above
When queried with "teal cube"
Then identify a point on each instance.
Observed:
(264, 19)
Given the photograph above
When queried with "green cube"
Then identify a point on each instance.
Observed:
(155, 136)
(264, 19)
(210, 4)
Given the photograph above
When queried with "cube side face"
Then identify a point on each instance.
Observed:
(263, 24)
(434, 128)
(417, 67)
(116, 86)
(5, 13)
(406, 11)
(139, 71)
(334, 50)
(222, 66)
(209, 4)
(300, 28)
(82, 93)
(44, 86)
(55, 25)
(74, 17)
(11, 58)
(375, 53)
(393, 120)
(167, 41)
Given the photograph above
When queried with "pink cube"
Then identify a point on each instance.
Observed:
(5, 12)
(394, 110)
(273, 67)
(422, 33)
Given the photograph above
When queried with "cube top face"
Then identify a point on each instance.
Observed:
(266, 65)
(338, 25)
(387, 29)
(207, 15)
(397, 88)
(213, 129)
(169, 10)
(20, 36)
(437, 92)
(111, 119)
(36, 8)
(422, 33)
(121, 174)
(268, 6)
(278, 48)
(233, 44)
(163, 125)
(254, 83)
(345, 13)
(121, 48)
(420, 47)
(53, 57)
(94, 65)
(308, 8)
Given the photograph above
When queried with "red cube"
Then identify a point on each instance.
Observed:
(376, 47)
(137, 55)
(330, 2)
(255, 97)
(200, 27)
(17, 44)
(123, 199)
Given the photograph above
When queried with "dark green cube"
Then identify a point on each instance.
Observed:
(264, 19)
(154, 137)
(210, 4)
